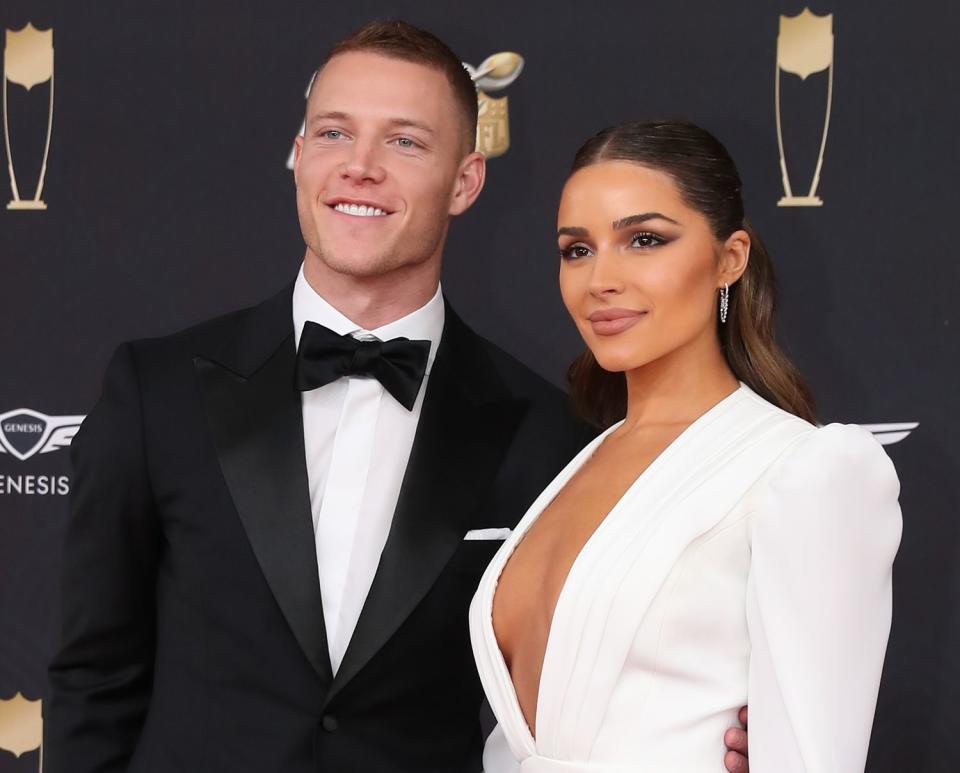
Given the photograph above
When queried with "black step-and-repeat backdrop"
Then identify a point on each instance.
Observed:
(145, 187)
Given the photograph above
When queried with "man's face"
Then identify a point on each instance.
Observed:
(379, 168)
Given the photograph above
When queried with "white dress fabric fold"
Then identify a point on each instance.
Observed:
(749, 563)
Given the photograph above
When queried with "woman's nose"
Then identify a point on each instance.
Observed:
(605, 279)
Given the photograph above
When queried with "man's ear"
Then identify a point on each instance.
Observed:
(470, 178)
(297, 152)
(734, 258)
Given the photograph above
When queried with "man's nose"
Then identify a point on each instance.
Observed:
(363, 163)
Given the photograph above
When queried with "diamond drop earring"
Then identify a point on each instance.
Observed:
(724, 302)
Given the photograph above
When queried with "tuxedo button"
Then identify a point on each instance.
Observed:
(329, 723)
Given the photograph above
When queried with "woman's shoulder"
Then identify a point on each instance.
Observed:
(845, 456)
(821, 473)
(761, 407)
(830, 450)
(835, 480)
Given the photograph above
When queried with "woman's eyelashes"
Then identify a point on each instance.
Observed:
(642, 240)
(646, 239)
(574, 251)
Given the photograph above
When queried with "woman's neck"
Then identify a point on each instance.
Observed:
(679, 387)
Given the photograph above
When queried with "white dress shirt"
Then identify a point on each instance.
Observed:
(357, 439)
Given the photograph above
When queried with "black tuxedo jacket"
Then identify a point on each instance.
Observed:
(193, 635)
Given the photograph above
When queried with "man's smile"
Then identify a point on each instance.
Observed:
(358, 207)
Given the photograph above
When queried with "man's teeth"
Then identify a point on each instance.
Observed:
(359, 210)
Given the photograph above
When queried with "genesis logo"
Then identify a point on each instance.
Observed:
(24, 432)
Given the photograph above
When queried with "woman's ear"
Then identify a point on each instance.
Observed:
(734, 257)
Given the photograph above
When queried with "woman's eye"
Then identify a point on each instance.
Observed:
(575, 251)
(646, 239)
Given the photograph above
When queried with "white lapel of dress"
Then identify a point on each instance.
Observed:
(494, 675)
(689, 488)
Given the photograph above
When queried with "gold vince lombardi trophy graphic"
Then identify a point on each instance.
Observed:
(804, 47)
(496, 72)
(27, 62)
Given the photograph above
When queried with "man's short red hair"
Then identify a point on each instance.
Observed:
(401, 40)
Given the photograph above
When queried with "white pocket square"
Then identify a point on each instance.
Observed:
(487, 534)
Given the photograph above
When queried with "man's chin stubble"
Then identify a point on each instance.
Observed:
(368, 267)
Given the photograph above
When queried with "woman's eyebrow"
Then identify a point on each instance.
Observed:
(626, 222)
(572, 230)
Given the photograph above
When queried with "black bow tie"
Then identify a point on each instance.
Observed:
(399, 364)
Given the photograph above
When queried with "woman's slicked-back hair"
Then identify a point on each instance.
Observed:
(708, 182)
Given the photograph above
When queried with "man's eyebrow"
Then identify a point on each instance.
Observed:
(626, 222)
(335, 115)
(409, 122)
(339, 115)
(572, 230)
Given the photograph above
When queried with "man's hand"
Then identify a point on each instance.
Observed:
(735, 760)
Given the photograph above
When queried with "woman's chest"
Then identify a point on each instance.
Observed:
(533, 578)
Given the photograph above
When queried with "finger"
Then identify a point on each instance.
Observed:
(742, 716)
(736, 740)
(735, 763)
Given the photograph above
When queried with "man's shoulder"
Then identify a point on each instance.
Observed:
(517, 376)
(207, 337)
(545, 400)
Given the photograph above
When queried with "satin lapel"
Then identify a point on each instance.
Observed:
(255, 417)
(466, 426)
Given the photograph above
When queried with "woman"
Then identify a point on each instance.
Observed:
(712, 547)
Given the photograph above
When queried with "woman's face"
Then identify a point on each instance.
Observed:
(640, 269)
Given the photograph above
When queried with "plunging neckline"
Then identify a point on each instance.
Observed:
(499, 662)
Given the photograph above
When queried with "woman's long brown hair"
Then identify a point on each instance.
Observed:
(708, 181)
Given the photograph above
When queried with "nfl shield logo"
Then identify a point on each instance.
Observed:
(493, 125)
(21, 725)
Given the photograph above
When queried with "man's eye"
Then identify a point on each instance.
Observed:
(575, 251)
(406, 142)
(646, 239)
(332, 134)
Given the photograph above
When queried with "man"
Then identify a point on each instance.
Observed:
(266, 567)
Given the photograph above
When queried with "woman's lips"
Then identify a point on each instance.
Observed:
(613, 321)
